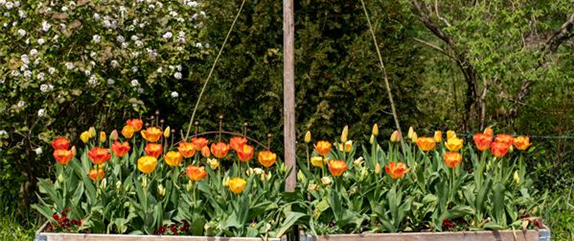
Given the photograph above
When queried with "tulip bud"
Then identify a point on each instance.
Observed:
(396, 136)
(358, 162)
(375, 130)
(166, 132)
(144, 182)
(118, 185)
(516, 177)
(450, 134)
(160, 190)
(226, 181)
(410, 133)
(205, 152)
(414, 137)
(85, 136)
(326, 180)
(377, 168)
(189, 186)
(265, 176)
(92, 132)
(114, 135)
(74, 150)
(61, 178)
(313, 187)
(102, 137)
(301, 177)
(258, 171)
(438, 136)
(213, 163)
(344, 134)
(104, 183)
(308, 137)
(372, 140)
(249, 171)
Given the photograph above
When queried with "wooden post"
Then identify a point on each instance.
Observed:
(289, 93)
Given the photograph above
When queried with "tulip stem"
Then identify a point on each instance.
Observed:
(212, 69)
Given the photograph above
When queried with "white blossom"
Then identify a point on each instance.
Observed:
(41, 76)
(121, 39)
(140, 90)
(96, 16)
(125, 45)
(3, 133)
(177, 75)
(199, 45)
(15, 73)
(41, 41)
(174, 94)
(134, 38)
(178, 67)
(87, 72)
(41, 112)
(44, 88)
(93, 80)
(9, 5)
(64, 9)
(46, 26)
(96, 38)
(21, 14)
(93, 54)
(167, 35)
(115, 64)
(2, 2)
(69, 65)
(191, 3)
(135, 69)
(33, 52)
(17, 4)
(111, 81)
(38, 151)
(50, 87)
(51, 70)
(160, 70)
(135, 83)
(27, 73)
(25, 59)
(22, 32)
(139, 43)
(21, 104)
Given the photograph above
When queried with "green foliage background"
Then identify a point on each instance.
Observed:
(338, 82)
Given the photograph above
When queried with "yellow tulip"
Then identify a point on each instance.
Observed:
(450, 134)
(377, 168)
(317, 161)
(396, 136)
(454, 144)
(346, 147)
(173, 158)
(372, 140)
(308, 137)
(345, 134)
(375, 130)
(147, 164)
(438, 136)
(85, 136)
(410, 133)
(414, 137)
(237, 185)
(92, 132)
(128, 131)
(213, 163)
(102, 137)
(326, 180)
(166, 132)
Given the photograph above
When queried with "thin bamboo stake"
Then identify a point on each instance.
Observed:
(384, 76)
(212, 69)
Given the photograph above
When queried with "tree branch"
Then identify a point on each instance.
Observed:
(442, 51)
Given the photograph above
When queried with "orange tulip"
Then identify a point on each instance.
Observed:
(267, 158)
(426, 143)
(96, 174)
(504, 138)
(153, 149)
(245, 153)
(63, 156)
(196, 173)
(337, 167)
(120, 149)
(137, 124)
(61, 143)
(152, 134)
(488, 131)
(173, 158)
(205, 152)
(396, 136)
(99, 155)
(396, 171)
(237, 142)
(186, 149)
(221, 149)
(128, 131)
(522, 142)
(199, 142)
(323, 148)
(499, 149)
(482, 141)
(452, 159)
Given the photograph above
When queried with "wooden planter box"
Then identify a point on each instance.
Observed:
(530, 235)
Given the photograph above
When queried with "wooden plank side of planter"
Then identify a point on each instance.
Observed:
(529, 235)
(120, 237)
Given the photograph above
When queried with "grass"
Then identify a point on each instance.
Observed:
(560, 217)
(11, 229)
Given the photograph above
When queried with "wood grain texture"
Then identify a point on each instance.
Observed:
(530, 235)
(119, 237)
(289, 93)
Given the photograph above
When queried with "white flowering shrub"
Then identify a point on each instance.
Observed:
(88, 61)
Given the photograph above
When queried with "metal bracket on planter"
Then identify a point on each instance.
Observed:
(544, 234)
(40, 237)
